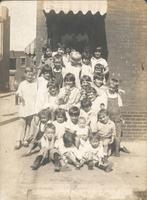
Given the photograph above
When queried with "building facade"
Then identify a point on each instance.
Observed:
(4, 48)
(124, 28)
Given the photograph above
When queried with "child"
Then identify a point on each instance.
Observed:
(99, 70)
(60, 122)
(86, 66)
(74, 66)
(85, 86)
(44, 117)
(47, 150)
(114, 109)
(27, 93)
(72, 122)
(105, 130)
(69, 95)
(82, 132)
(57, 69)
(69, 153)
(98, 84)
(46, 59)
(53, 99)
(98, 59)
(93, 155)
(96, 100)
(42, 88)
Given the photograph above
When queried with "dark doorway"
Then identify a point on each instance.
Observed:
(77, 31)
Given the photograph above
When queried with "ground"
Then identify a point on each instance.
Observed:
(128, 180)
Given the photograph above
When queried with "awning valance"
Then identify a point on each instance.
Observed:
(75, 6)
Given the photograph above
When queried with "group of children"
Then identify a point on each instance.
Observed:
(69, 113)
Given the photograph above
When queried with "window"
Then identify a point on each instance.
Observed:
(23, 61)
(12, 63)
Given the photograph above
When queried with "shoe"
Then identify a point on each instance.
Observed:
(90, 165)
(25, 143)
(37, 162)
(124, 149)
(57, 162)
(18, 145)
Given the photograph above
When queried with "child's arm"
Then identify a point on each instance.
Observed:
(113, 131)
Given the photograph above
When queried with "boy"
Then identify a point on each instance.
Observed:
(47, 150)
(105, 130)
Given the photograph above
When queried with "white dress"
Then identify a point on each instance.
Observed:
(42, 94)
(27, 91)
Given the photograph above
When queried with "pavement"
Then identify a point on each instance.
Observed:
(127, 181)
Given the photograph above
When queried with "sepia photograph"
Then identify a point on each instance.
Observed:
(73, 100)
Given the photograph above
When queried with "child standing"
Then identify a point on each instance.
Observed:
(27, 93)
(105, 130)
(98, 59)
(114, 109)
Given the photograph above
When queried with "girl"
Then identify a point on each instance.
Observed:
(60, 121)
(27, 93)
(97, 59)
(69, 95)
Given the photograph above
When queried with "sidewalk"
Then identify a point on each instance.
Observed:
(19, 182)
(8, 109)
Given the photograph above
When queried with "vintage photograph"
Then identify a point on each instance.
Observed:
(73, 100)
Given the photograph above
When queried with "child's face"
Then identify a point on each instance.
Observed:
(82, 123)
(87, 109)
(53, 91)
(43, 119)
(57, 66)
(112, 89)
(29, 76)
(103, 118)
(85, 84)
(92, 96)
(48, 52)
(60, 118)
(98, 70)
(74, 119)
(50, 133)
(98, 82)
(94, 142)
(69, 83)
(97, 54)
(46, 75)
(86, 61)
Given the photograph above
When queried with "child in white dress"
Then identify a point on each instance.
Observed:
(27, 93)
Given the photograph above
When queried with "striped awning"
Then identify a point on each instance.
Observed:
(75, 6)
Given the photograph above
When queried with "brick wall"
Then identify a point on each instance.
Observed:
(126, 29)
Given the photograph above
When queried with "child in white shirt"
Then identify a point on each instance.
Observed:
(27, 93)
